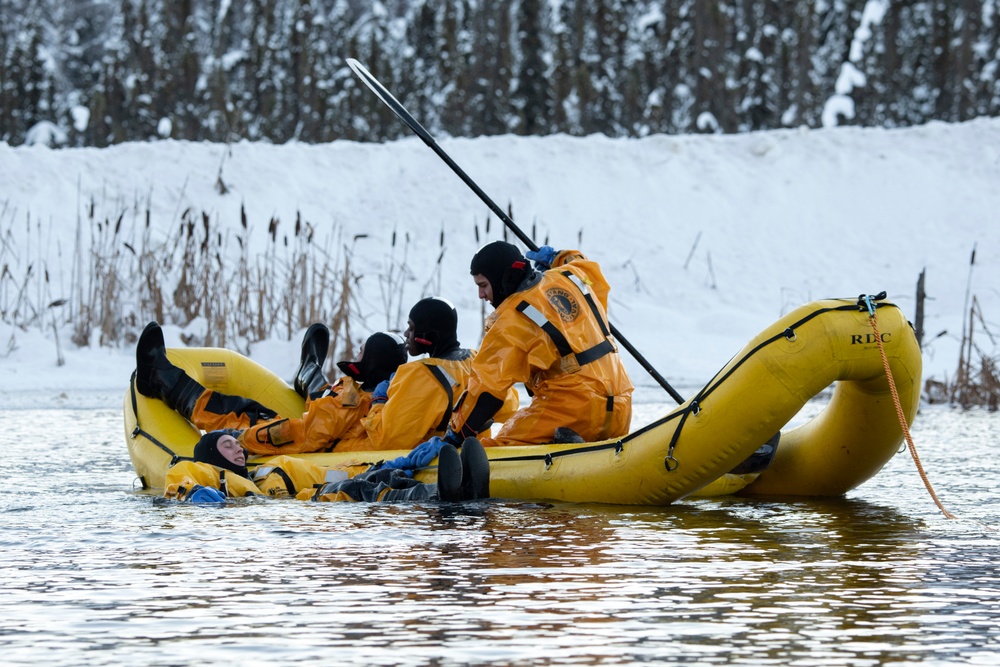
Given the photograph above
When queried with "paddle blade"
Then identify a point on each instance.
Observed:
(390, 101)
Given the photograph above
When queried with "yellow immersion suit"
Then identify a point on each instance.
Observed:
(186, 476)
(286, 476)
(554, 337)
(421, 395)
(331, 421)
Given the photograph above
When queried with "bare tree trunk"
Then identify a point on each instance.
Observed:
(919, 317)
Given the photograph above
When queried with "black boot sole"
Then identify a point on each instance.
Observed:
(449, 481)
(315, 346)
(475, 470)
(146, 355)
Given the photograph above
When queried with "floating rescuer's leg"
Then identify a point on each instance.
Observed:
(209, 410)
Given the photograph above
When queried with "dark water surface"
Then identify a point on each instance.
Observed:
(94, 574)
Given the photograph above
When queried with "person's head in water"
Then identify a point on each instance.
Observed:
(432, 327)
(222, 449)
(379, 358)
(498, 268)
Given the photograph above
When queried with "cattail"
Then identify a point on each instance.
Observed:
(243, 216)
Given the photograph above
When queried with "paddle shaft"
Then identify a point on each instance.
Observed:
(404, 115)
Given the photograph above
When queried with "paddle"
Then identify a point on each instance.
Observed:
(404, 115)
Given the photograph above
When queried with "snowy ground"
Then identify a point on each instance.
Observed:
(705, 239)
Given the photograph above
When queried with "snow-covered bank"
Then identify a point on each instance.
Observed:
(705, 239)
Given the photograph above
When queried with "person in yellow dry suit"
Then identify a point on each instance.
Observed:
(550, 331)
(218, 471)
(333, 415)
(416, 403)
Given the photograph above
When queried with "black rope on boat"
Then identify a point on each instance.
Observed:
(694, 406)
(714, 383)
(137, 431)
(789, 334)
(618, 446)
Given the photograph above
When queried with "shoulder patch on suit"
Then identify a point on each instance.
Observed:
(565, 303)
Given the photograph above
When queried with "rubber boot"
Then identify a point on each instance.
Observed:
(475, 470)
(156, 377)
(448, 487)
(238, 406)
(389, 485)
(418, 491)
(450, 474)
(309, 377)
(565, 436)
(357, 489)
(761, 459)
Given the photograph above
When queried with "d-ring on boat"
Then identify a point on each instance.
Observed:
(689, 451)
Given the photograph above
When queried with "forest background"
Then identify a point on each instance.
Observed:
(102, 72)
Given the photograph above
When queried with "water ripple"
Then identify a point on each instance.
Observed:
(97, 574)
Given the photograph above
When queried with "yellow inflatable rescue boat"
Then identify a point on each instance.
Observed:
(689, 451)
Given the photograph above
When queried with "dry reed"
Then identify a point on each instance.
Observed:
(200, 276)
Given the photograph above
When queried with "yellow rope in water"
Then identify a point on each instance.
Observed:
(902, 421)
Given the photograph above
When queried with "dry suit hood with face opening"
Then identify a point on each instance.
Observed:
(503, 265)
(382, 355)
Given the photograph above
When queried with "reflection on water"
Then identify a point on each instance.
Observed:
(95, 574)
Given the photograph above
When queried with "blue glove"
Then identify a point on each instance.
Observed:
(419, 457)
(206, 494)
(543, 257)
(381, 393)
